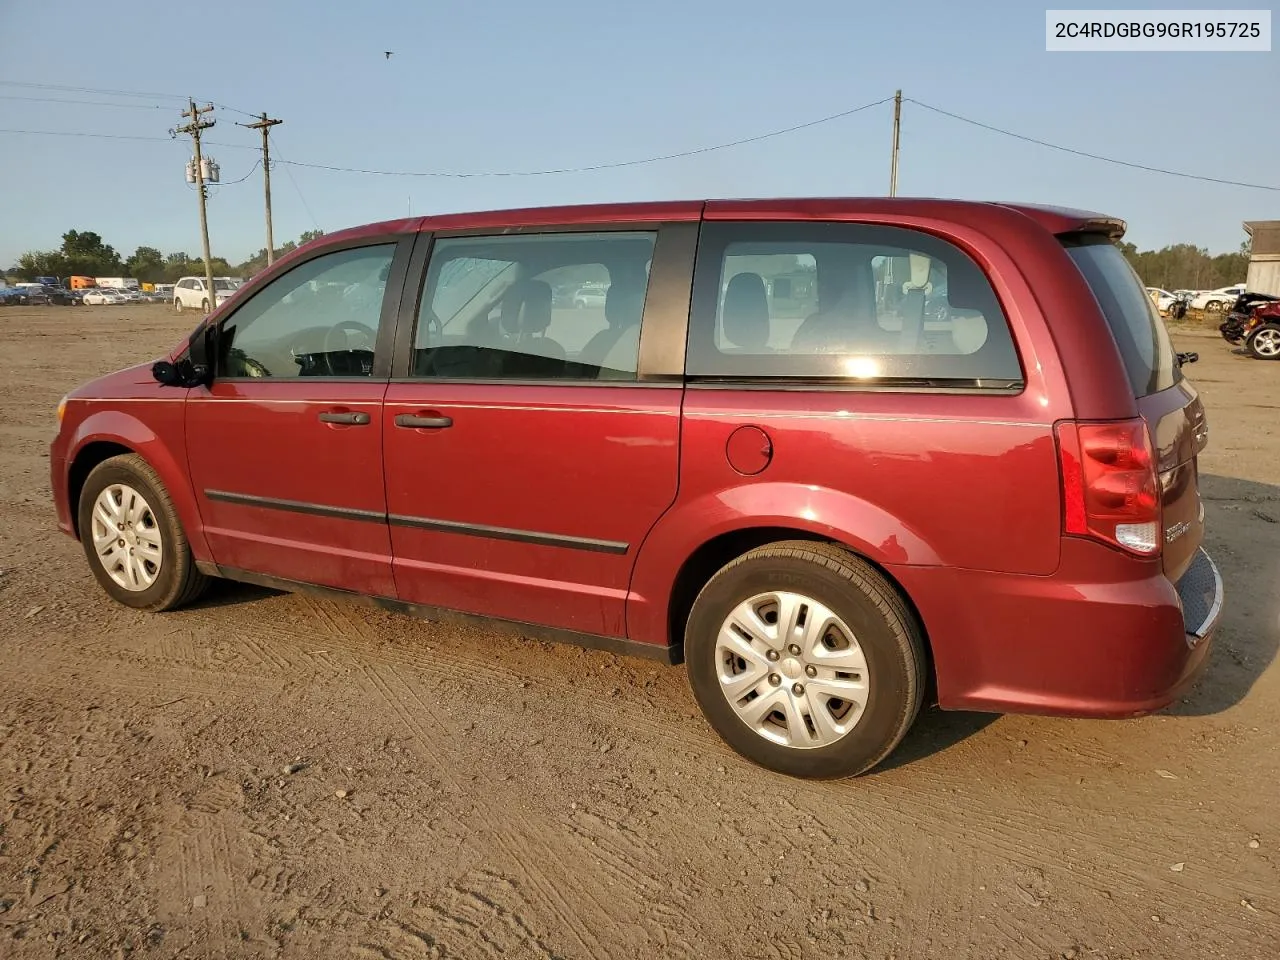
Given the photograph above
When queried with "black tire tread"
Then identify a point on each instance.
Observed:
(863, 576)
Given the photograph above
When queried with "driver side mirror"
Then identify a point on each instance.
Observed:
(184, 373)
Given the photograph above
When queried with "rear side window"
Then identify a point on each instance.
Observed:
(1135, 325)
(854, 303)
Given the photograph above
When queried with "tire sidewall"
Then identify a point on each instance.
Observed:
(1251, 343)
(102, 477)
(890, 671)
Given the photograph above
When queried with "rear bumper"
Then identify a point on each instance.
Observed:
(1104, 637)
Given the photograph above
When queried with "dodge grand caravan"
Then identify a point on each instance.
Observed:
(836, 456)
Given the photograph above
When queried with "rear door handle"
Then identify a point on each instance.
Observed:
(413, 422)
(355, 419)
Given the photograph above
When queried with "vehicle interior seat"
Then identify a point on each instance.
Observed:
(623, 310)
(846, 316)
(744, 318)
(525, 316)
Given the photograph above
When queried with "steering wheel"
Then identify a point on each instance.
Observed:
(347, 327)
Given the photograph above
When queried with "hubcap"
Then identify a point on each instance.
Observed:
(792, 670)
(126, 537)
(1267, 342)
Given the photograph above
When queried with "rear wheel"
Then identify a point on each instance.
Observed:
(1264, 342)
(204, 306)
(132, 537)
(177, 304)
(805, 659)
(1213, 306)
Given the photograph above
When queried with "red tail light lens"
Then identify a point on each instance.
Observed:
(1109, 484)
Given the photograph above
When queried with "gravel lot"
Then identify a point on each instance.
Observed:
(273, 775)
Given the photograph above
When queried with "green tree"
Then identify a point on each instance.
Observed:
(146, 264)
(87, 255)
(37, 263)
(309, 235)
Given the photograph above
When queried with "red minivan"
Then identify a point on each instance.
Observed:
(834, 455)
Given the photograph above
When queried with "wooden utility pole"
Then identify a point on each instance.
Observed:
(265, 124)
(897, 125)
(194, 128)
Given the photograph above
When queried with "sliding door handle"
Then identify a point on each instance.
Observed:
(351, 418)
(412, 421)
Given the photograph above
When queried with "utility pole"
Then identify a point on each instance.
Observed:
(194, 128)
(265, 124)
(897, 125)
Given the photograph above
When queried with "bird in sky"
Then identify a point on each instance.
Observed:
(387, 53)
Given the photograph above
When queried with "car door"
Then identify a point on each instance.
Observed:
(285, 445)
(530, 443)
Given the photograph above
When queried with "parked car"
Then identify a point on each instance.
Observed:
(826, 516)
(1215, 301)
(101, 296)
(33, 294)
(189, 293)
(1262, 333)
(591, 295)
(1241, 315)
(1163, 299)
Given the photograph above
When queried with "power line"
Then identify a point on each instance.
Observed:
(289, 173)
(114, 93)
(227, 183)
(121, 136)
(1091, 156)
(87, 103)
(100, 90)
(596, 166)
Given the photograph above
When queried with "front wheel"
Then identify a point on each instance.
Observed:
(1264, 342)
(806, 660)
(204, 306)
(1213, 306)
(132, 537)
(177, 305)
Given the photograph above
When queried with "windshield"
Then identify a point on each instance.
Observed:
(1135, 324)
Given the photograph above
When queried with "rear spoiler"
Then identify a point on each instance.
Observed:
(1109, 227)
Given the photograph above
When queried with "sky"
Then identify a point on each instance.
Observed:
(509, 85)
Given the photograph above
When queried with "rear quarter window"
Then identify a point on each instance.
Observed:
(1135, 325)
(854, 304)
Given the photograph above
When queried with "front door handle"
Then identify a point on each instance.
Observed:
(355, 419)
(413, 422)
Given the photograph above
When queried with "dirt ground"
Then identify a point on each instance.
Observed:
(457, 794)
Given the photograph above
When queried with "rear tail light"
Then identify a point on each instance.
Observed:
(1109, 484)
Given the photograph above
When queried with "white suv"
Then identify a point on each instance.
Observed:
(189, 293)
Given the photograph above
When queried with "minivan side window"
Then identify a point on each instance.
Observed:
(855, 303)
(1135, 323)
(319, 319)
(541, 306)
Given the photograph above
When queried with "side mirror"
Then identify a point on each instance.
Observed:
(166, 373)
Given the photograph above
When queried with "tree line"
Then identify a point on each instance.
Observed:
(1181, 266)
(1184, 266)
(85, 254)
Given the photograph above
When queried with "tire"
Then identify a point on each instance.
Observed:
(176, 579)
(204, 306)
(881, 629)
(177, 305)
(1264, 342)
(1213, 306)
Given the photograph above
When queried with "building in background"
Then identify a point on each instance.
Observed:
(1264, 260)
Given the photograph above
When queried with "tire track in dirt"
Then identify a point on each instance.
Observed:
(517, 839)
